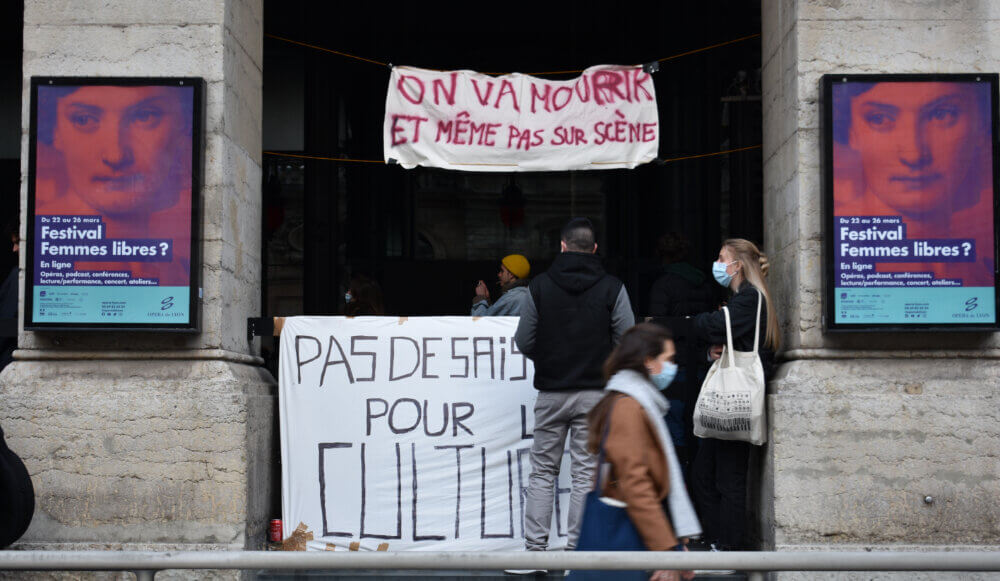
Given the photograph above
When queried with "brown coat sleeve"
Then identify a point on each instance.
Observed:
(639, 473)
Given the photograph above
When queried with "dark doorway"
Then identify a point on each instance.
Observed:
(428, 235)
(11, 25)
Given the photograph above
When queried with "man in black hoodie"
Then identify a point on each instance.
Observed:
(574, 315)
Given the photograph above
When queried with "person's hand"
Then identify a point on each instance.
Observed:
(715, 352)
(665, 575)
(482, 292)
(764, 264)
(671, 575)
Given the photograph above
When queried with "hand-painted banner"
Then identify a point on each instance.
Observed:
(413, 433)
(604, 119)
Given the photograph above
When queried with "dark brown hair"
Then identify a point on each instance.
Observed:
(366, 297)
(641, 342)
(673, 247)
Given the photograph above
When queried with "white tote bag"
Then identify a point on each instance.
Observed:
(731, 403)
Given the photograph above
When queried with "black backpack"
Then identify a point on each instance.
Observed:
(17, 496)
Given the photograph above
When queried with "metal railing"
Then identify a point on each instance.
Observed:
(145, 564)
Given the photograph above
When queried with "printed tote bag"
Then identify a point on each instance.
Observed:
(731, 403)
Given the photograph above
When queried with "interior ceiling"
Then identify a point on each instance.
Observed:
(541, 36)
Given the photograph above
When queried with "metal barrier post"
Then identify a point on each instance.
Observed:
(144, 575)
(756, 576)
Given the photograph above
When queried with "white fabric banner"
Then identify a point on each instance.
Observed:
(604, 119)
(413, 432)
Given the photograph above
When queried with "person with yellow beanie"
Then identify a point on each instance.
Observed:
(513, 280)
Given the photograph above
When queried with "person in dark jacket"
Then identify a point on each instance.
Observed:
(571, 319)
(681, 289)
(17, 496)
(8, 299)
(680, 292)
(720, 467)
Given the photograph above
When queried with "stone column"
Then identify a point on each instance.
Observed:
(865, 426)
(153, 440)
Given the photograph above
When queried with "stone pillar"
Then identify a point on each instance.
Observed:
(153, 440)
(865, 426)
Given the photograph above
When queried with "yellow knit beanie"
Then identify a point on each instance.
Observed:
(517, 265)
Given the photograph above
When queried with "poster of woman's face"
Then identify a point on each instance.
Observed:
(116, 160)
(910, 182)
(916, 148)
(124, 151)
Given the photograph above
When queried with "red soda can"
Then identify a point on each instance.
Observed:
(275, 533)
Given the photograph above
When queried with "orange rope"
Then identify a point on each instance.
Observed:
(323, 158)
(697, 50)
(668, 58)
(710, 154)
(360, 58)
(662, 161)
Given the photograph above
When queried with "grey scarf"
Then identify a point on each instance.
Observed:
(639, 388)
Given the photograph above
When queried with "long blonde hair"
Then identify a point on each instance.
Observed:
(751, 261)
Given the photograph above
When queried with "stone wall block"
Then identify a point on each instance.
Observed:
(213, 316)
(217, 173)
(810, 155)
(123, 12)
(860, 444)
(894, 46)
(883, 575)
(839, 10)
(789, 89)
(245, 26)
(212, 222)
(788, 13)
(771, 33)
(107, 459)
(168, 51)
(773, 137)
(215, 106)
(860, 468)
(60, 340)
(239, 298)
(243, 121)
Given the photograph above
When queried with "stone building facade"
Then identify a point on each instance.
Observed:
(166, 441)
(156, 441)
(865, 426)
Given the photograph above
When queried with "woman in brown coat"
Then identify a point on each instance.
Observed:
(641, 464)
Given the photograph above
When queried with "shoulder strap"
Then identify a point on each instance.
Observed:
(598, 486)
(756, 329)
(729, 338)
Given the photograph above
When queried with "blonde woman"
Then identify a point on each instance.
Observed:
(720, 466)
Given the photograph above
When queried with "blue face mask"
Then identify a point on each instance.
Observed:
(719, 272)
(348, 297)
(665, 377)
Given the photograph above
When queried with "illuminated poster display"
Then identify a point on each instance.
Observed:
(911, 180)
(113, 203)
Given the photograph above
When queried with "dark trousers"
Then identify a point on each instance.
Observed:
(720, 478)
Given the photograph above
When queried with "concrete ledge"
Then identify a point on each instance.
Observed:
(857, 445)
(144, 452)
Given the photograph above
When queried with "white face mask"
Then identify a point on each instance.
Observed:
(348, 297)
